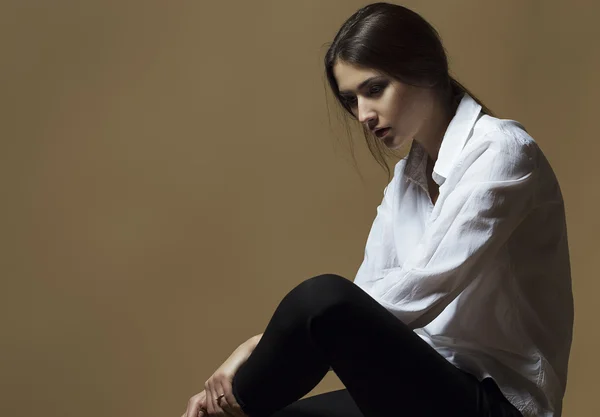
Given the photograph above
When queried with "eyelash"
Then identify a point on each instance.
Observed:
(351, 101)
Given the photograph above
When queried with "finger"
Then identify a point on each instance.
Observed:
(202, 412)
(203, 407)
(229, 402)
(223, 402)
(208, 404)
(216, 390)
(211, 401)
(220, 402)
(193, 406)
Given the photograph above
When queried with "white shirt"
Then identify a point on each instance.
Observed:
(482, 275)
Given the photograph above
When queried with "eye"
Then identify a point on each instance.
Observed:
(376, 89)
(350, 101)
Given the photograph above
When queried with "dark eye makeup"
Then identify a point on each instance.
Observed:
(374, 90)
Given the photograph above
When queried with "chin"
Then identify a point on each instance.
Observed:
(394, 142)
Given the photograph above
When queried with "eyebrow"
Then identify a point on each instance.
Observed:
(360, 86)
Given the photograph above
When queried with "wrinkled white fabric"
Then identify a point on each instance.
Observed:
(482, 275)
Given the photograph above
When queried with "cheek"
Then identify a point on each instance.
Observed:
(405, 116)
(397, 105)
(401, 117)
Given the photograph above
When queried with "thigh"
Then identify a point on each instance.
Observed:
(386, 367)
(330, 404)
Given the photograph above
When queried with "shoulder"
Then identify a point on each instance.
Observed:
(500, 148)
(508, 138)
(502, 135)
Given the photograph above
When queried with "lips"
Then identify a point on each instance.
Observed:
(382, 132)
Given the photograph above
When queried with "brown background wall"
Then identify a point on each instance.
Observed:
(169, 173)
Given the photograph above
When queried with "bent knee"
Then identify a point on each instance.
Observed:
(324, 291)
(326, 282)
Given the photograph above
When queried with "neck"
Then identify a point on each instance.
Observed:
(434, 127)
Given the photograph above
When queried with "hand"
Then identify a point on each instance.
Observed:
(197, 406)
(220, 383)
(205, 403)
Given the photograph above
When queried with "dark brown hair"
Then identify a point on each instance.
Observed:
(397, 42)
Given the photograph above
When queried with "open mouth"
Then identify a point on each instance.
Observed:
(382, 132)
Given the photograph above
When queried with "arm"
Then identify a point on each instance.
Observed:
(255, 340)
(494, 193)
(248, 346)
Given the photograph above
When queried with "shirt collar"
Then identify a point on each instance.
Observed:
(454, 140)
(416, 164)
(456, 136)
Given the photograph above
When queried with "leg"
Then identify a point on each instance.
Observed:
(330, 404)
(386, 368)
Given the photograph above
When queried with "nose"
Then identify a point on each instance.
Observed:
(366, 115)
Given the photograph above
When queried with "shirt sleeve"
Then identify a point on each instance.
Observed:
(379, 252)
(492, 195)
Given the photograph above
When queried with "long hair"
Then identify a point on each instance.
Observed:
(400, 43)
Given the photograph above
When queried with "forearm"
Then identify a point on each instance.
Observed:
(256, 339)
(245, 349)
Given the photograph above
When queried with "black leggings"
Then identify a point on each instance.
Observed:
(387, 369)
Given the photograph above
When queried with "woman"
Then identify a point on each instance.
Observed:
(462, 305)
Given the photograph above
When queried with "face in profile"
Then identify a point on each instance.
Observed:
(379, 101)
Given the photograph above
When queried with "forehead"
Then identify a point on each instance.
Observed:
(349, 76)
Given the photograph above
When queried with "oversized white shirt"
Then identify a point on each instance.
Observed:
(482, 275)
